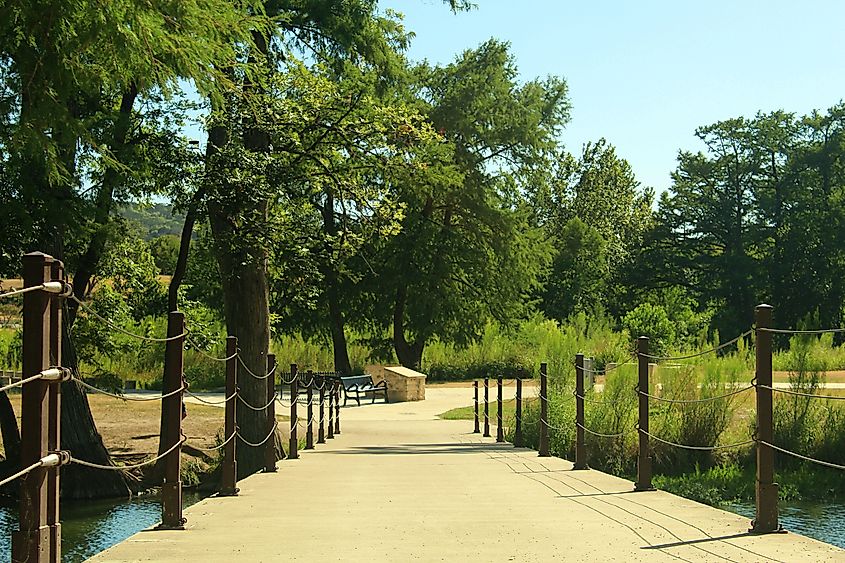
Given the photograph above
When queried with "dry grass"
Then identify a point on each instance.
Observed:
(130, 428)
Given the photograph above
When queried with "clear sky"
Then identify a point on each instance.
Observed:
(645, 73)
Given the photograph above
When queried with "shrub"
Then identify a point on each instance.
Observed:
(652, 321)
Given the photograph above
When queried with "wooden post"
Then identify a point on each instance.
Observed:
(766, 514)
(476, 430)
(486, 407)
(500, 430)
(580, 444)
(31, 542)
(321, 432)
(337, 409)
(171, 489)
(293, 447)
(229, 477)
(544, 411)
(517, 437)
(330, 391)
(309, 431)
(644, 456)
(54, 430)
(270, 446)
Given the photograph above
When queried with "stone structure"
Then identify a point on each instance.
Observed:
(403, 384)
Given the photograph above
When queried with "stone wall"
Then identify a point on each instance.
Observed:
(403, 384)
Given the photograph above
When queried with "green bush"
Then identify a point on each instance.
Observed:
(652, 321)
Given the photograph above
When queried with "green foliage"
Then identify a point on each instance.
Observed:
(165, 251)
(651, 321)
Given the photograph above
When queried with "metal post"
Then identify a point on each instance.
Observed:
(486, 407)
(500, 430)
(337, 409)
(330, 391)
(644, 457)
(544, 411)
(54, 430)
(171, 490)
(766, 516)
(517, 437)
(476, 430)
(293, 447)
(229, 478)
(580, 445)
(270, 446)
(321, 431)
(309, 430)
(31, 542)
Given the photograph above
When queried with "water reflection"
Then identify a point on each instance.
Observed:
(822, 521)
(89, 527)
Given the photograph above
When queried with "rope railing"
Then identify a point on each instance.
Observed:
(215, 448)
(699, 354)
(198, 349)
(250, 372)
(91, 311)
(696, 448)
(50, 460)
(250, 406)
(791, 331)
(701, 400)
(126, 467)
(605, 401)
(800, 394)
(600, 434)
(128, 398)
(213, 403)
(262, 442)
(805, 458)
(58, 288)
(607, 370)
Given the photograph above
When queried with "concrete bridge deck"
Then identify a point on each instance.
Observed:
(399, 484)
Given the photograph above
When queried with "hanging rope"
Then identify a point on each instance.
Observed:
(125, 467)
(699, 354)
(91, 311)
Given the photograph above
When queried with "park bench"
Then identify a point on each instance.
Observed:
(357, 385)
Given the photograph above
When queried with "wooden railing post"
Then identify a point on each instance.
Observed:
(330, 391)
(337, 409)
(486, 407)
(229, 477)
(54, 430)
(500, 430)
(293, 447)
(644, 455)
(766, 514)
(309, 430)
(580, 442)
(270, 446)
(544, 411)
(31, 542)
(171, 489)
(517, 437)
(477, 429)
(321, 429)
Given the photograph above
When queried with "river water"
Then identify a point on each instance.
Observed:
(89, 527)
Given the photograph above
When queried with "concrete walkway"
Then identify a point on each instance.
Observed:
(399, 485)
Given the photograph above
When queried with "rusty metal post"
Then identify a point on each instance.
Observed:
(293, 447)
(486, 407)
(31, 542)
(476, 430)
(321, 431)
(171, 489)
(644, 457)
(580, 443)
(270, 446)
(330, 391)
(517, 437)
(309, 430)
(229, 477)
(766, 514)
(337, 409)
(544, 411)
(54, 430)
(500, 430)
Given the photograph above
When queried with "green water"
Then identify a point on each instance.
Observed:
(819, 520)
(89, 527)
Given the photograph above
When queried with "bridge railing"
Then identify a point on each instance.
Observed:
(45, 288)
(766, 489)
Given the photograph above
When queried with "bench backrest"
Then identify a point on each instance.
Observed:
(349, 381)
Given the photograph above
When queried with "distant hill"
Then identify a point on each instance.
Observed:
(155, 220)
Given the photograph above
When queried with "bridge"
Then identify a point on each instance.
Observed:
(401, 484)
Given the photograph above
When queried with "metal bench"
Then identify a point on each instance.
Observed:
(357, 385)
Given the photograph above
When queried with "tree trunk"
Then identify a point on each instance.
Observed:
(9, 430)
(409, 354)
(338, 329)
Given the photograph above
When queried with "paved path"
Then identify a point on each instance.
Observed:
(400, 485)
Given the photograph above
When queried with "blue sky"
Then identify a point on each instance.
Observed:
(644, 74)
